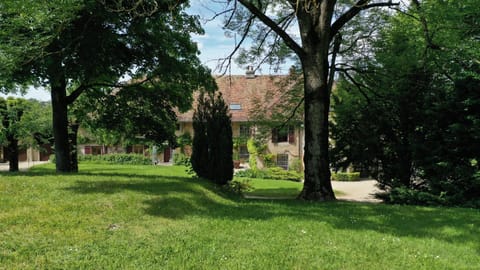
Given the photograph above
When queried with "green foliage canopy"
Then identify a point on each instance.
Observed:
(411, 118)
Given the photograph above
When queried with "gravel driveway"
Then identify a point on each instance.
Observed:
(358, 191)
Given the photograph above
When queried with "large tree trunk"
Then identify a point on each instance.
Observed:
(317, 184)
(12, 154)
(60, 117)
(73, 147)
(315, 28)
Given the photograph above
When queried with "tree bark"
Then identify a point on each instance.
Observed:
(73, 135)
(315, 33)
(317, 184)
(60, 116)
(12, 154)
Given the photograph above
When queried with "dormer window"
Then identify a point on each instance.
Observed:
(235, 106)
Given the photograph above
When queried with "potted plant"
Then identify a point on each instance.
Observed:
(236, 159)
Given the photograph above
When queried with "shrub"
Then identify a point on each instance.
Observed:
(355, 176)
(181, 159)
(269, 160)
(274, 173)
(404, 195)
(252, 174)
(253, 153)
(239, 187)
(133, 159)
(279, 173)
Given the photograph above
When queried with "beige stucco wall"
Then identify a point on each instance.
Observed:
(294, 150)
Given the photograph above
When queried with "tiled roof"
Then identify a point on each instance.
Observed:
(244, 93)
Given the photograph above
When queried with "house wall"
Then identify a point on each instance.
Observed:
(184, 127)
(294, 149)
(31, 154)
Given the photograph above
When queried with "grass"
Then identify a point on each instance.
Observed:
(145, 217)
(275, 188)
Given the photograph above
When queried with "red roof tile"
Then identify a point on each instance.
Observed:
(245, 92)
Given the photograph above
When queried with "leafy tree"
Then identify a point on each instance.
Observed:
(212, 141)
(11, 112)
(423, 143)
(319, 23)
(23, 123)
(75, 47)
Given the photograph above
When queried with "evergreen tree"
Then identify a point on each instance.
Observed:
(411, 118)
(212, 141)
(199, 157)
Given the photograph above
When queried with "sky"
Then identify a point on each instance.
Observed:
(213, 45)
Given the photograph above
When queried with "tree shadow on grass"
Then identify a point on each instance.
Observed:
(180, 197)
(183, 197)
(290, 193)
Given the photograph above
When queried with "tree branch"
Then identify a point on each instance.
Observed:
(353, 11)
(292, 44)
(83, 87)
(336, 49)
(359, 86)
(228, 59)
(426, 31)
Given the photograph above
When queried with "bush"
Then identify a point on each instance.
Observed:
(274, 173)
(269, 160)
(181, 159)
(355, 176)
(239, 187)
(133, 159)
(403, 195)
(253, 153)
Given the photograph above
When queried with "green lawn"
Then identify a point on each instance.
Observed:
(274, 188)
(144, 217)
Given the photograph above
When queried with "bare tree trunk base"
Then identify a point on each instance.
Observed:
(316, 196)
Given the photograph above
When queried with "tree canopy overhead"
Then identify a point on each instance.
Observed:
(91, 46)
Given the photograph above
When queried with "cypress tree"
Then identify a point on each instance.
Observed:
(219, 132)
(212, 141)
(199, 158)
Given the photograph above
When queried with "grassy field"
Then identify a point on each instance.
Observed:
(144, 217)
(274, 188)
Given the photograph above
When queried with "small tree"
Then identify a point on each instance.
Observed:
(199, 157)
(212, 141)
(11, 112)
(23, 123)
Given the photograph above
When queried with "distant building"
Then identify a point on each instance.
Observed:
(242, 93)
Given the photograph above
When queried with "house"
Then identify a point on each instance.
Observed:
(30, 154)
(243, 93)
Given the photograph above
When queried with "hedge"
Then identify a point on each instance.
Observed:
(355, 176)
(133, 159)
